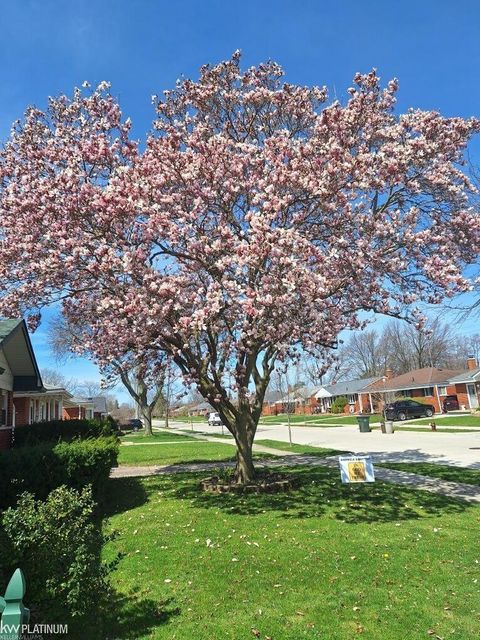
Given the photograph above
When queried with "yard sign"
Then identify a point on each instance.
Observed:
(356, 469)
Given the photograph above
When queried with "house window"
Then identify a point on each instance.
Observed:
(352, 398)
(442, 391)
(428, 391)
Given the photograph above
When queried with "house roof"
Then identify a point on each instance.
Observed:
(302, 393)
(7, 326)
(99, 404)
(18, 351)
(345, 388)
(272, 396)
(48, 390)
(470, 375)
(75, 401)
(416, 379)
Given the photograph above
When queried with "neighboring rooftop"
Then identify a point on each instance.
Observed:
(348, 387)
(416, 379)
(99, 404)
(470, 375)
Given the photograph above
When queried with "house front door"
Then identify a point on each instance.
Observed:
(472, 396)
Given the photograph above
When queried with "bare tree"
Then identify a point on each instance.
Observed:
(55, 378)
(135, 376)
(365, 354)
(412, 348)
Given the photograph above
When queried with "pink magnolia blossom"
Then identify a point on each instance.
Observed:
(256, 221)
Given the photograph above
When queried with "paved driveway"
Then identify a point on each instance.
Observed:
(462, 449)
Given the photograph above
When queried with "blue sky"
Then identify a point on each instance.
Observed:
(142, 47)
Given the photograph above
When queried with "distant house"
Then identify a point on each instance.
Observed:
(78, 408)
(467, 385)
(355, 391)
(307, 400)
(18, 372)
(100, 410)
(272, 403)
(432, 384)
(299, 401)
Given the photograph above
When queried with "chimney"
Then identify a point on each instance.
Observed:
(389, 374)
(471, 362)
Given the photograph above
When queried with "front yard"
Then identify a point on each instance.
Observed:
(171, 448)
(324, 561)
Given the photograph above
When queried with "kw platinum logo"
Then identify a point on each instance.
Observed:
(14, 621)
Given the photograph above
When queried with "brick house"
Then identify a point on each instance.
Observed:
(467, 385)
(18, 373)
(430, 385)
(23, 396)
(299, 401)
(100, 411)
(78, 408)
(356, 391)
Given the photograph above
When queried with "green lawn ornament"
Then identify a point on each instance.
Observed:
(13, 612)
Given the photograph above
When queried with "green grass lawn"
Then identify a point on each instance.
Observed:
(189, 419)
(454, 474)
(174, 448)
(452, 421)
(325, 561)
(164, 452)
(158, 436)
(298, 448)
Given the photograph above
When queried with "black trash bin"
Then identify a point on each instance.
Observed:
(364, 424)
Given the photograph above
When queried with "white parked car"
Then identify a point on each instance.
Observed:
(214, 419)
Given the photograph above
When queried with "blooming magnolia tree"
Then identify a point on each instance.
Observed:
(257, 221)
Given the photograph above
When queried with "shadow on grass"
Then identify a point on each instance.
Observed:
(319, 493)
(131, 617)
(121, 494)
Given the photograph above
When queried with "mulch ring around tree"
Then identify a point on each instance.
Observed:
(264, 483)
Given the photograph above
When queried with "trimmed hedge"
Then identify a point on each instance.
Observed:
(42, 468)
(57, 543)
(56, 430)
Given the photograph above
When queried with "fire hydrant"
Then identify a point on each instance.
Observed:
(433, 426)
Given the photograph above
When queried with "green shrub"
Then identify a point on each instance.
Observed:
(339, 404)
(420, 399)
(56, 430)
(40, 469)
(57, 544)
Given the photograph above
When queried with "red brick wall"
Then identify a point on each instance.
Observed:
(22, 410)
(72, 412)
(269, 410)
(462, 395)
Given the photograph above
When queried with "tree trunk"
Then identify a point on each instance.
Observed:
(244, 469)
(147, 420)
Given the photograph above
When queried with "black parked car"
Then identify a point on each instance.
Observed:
(450, 403)
(405, 409)
(134, 424)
